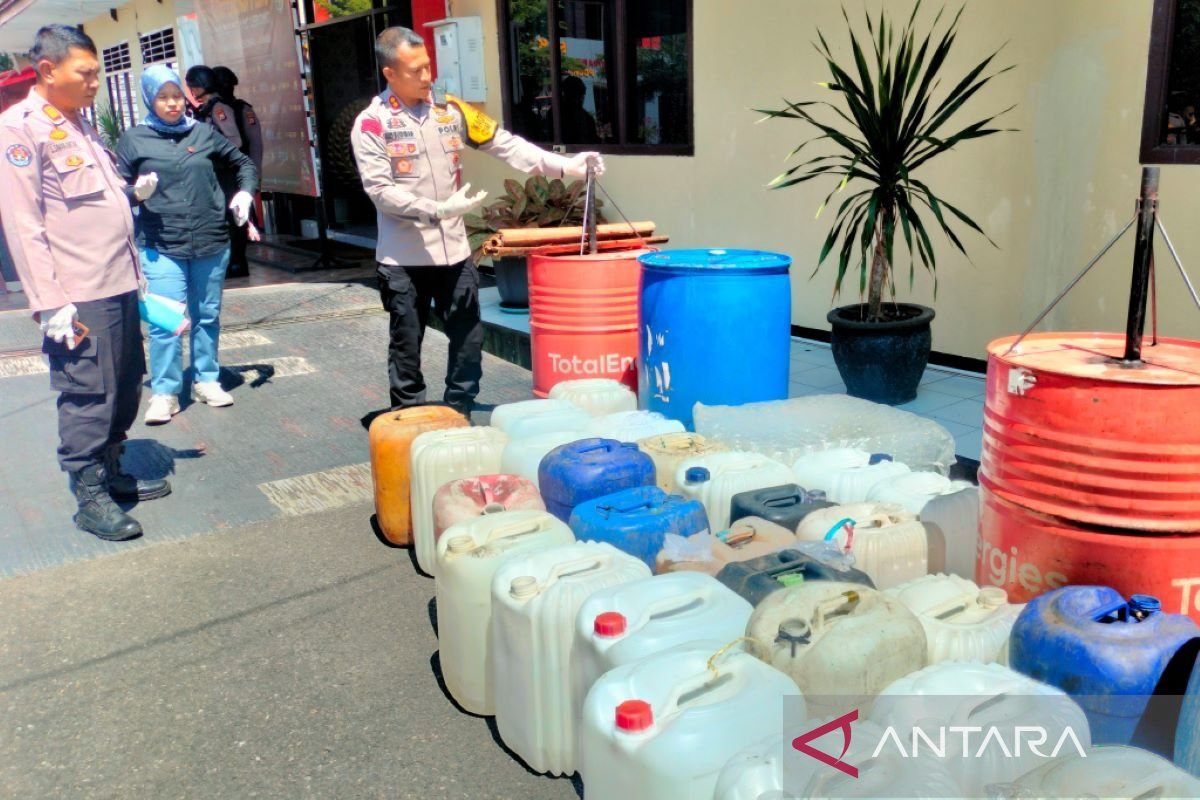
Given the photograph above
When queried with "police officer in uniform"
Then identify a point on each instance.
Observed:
(409, 154)
(250, 131)
(67, 220)
(205, 87)
(203, 84)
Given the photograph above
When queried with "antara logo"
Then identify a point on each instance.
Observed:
(843, 722)
(1032, 736)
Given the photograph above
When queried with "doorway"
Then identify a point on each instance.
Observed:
(345, 76)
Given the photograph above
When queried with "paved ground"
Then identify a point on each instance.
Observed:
(260, 640)
(305, 364)
(287, 659)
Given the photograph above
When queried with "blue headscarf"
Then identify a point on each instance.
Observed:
(153, 79)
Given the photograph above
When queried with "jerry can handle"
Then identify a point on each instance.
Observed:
(784, 499)
(878, 521)
(823, 611)
(583, 564)
(514, 529)
(608, 509)
(1112, 608)
(951, 607)
(599, 445)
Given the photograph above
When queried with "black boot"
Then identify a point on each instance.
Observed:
(98, 514)
(123, 486)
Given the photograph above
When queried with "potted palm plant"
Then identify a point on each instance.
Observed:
(881, 126)
(539, 203)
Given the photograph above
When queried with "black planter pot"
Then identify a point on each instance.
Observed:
(882, 361)
(512, 279)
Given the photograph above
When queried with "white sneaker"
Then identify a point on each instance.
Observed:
(162, 408)
(211, 392)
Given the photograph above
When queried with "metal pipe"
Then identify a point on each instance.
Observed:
(1170, 246)
(1070, 286)
(1143, 254)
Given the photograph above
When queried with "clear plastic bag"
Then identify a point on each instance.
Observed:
(694, 548)
(785, 430)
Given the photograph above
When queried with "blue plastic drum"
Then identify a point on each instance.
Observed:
(714, 328)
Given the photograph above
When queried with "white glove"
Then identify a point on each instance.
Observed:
(576, 166)
(240, 206)
(60, 326)
(458, 203)
(145, 186)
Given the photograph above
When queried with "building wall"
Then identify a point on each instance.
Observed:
(133, 19)
(1050, 195)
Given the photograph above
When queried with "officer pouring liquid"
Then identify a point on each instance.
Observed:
(409, 147)
(68, 223)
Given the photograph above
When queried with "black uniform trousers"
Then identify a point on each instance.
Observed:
(453, 292)
(239, 240)
(100, 381)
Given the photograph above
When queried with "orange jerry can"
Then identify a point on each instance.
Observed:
(391, 435)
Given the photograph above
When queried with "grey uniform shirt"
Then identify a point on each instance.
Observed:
(410, 159)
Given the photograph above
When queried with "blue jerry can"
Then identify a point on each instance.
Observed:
(638, 520)
(589, 468)
(762, 576)
(1187, 734)
(1107, 653)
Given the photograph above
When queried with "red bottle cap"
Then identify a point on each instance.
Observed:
(609, 624)
(634, 716)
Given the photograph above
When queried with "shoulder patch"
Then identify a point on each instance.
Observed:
(481, 128)
(221, 114)
(250, 118)
(371, 125)
(19, 155)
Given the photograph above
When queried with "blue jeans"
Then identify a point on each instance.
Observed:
(198, 283)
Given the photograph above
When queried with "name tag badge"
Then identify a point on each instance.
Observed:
(404, 168)
(447, 130)
(397, 136)
(54, 148)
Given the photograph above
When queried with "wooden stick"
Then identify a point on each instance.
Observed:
(561, 249)
(532, 237)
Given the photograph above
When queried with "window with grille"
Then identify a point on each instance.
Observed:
(119, 81)
(117, 58)
(158, 47)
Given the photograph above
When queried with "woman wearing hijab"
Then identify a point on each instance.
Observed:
(182, 234)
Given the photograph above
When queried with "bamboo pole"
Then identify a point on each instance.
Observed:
(559, 249)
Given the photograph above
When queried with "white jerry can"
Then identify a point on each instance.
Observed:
(533, 417)
(841, 642)
(962, 621)
(669, 450)
(626, 623)
(599, 397)
(974, 718)
(663, 727)
(469, 554)
(1112, 772)
(438, 457)
(535, 600)
(844, 474)
(759, 772)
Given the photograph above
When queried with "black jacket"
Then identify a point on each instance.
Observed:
(185, 217)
